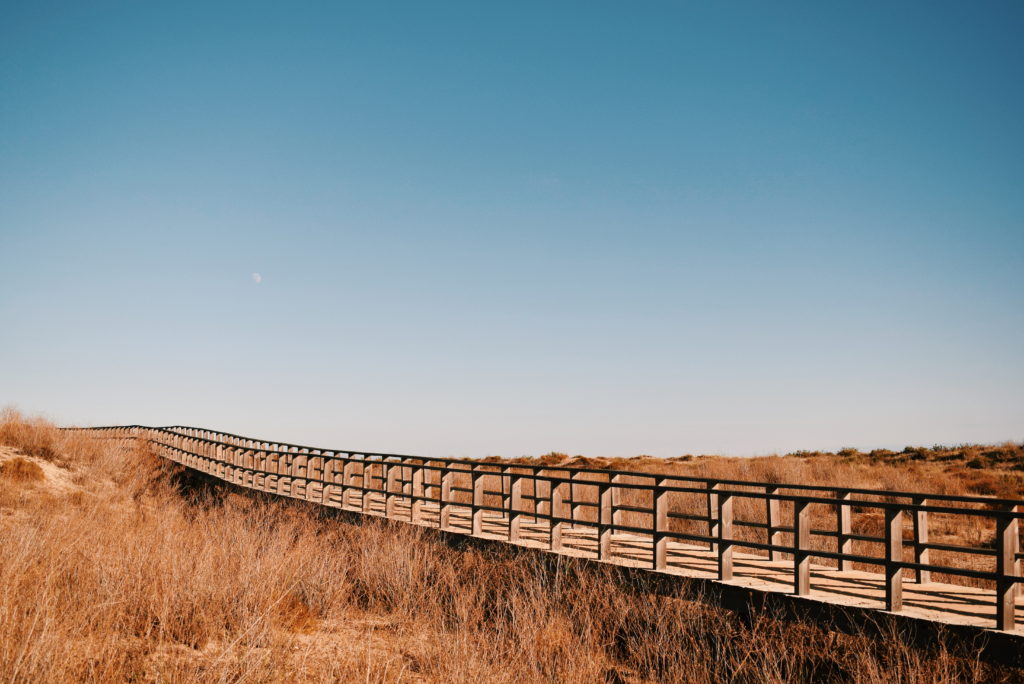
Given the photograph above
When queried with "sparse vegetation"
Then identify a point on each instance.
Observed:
(141, 572)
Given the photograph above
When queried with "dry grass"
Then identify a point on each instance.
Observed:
(21, 470)
(137, 574)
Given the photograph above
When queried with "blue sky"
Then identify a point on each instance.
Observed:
(599, 227)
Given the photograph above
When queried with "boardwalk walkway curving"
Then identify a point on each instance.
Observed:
(815, 544)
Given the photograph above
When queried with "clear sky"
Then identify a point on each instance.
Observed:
(608, 228)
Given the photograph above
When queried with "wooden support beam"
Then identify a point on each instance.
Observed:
(801, 548)
(557, 507)
(773, 520)
(712, 508)
(478, 501)
(515, 507)
(921, 552)
(725, 532)
(605, 514)
(1007, 548)
(347, 476)
(893, 557)
(844, 527)
(416, 506)
(617, 514)
(660, 526)
(444, 500)
(367, 482)
(327, 481)
(542, 496)
(506, 493)
(390, 471)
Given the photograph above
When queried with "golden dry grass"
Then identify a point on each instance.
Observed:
(137, 574)
(21, 470)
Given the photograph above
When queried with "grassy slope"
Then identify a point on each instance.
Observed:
(111, 571)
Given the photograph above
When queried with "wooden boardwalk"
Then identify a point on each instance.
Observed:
(840, 548)
(933, 601)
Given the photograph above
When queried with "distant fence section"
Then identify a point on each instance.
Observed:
(666, 522)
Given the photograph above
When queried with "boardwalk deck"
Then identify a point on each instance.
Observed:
(752, 540)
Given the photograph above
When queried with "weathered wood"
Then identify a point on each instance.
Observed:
(1007, 548)
(922, 554)
(617, 513)
(417, 487)
(515, 507)
(773, 519)
(660, 525)
(725, 533)
(478, 500)
(712, 508)
(844, 527)
(445, 521)
(557, 506)
(801, 545)
(893, 556)
(604, 522)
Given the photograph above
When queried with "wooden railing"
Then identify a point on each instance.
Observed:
(656, 507)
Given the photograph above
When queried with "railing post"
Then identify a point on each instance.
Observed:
(315, 475)
(574, 497)
(390, 470)
(772, 519)
(272, 469)
(725, 537)
(327, 481)
(346, 482)
(921, 554)
(367, 498)
(515, 508)
(478, 501)
(444, 499)
(844, 526)
(712, 514)
(416, 505)
(893, 558)
(557, 507)
(1008, 546)
(605, 512)
(617, 515)
(506, 490)
(801, 548)
(541, 499)
(660, 525)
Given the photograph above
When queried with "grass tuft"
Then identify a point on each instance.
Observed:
(21, 470)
